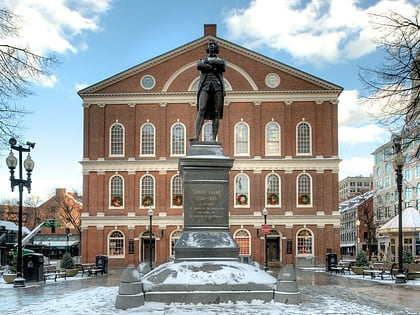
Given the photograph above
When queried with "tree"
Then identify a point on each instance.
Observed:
(394, 84)
(366, 217)
(361, 259)
(71, 206)
(407, 256)
(19, 68)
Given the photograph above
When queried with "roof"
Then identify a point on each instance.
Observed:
(355, 201)
(10, 226)
(410, 222)
(95, 88)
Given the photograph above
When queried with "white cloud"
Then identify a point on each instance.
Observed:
(55, 26)
(80, 86)
(365, 134)
(316, 30)
(356, 166)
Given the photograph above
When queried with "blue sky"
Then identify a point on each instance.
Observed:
(95, 39)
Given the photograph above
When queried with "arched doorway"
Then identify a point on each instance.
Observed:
(145, 247)
(273, 247)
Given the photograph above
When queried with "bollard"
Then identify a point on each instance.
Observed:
(130, 292)
(287, 291)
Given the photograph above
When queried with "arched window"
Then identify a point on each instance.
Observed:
(207, 133)
(272, 185)
(272, 139)
(177, 196)
(175, 236)
(147, 191)
(242, 237)
(147, 140)
(116, 244)
(116, 140)
(116, 191)
(408, 193)
(304, 190)
(304, 242)
(303, 137)
(241, 139)
(241, 191)
(178, 139)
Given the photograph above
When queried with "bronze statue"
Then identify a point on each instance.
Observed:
(211, 90)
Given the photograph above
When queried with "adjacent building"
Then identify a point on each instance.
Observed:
(279, 126)
(352, 186)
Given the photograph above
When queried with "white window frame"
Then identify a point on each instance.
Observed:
(312, 243)
(278, 190)
(247, 193)
(111, 192)
(245, 142)
(309, 140)
(152, 194)
(111, 140)
(173, 192)
(183, 136)
(115, 238)
(311, 196)
(154, 140)
(247, 236)
(278, 142)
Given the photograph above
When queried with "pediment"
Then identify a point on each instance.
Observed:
(175, 72)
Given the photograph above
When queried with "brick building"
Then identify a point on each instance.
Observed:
(279, 124)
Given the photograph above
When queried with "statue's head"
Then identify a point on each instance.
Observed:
(212, 46)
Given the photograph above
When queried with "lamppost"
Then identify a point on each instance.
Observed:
(12, 162)
(358, 238)
(265, 212)
(150, 213)
(398, 165)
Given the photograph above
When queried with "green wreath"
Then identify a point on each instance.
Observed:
(147, 201)
(304, 199)
(273, 199)
(116, 201)
(177, 200)
(242, 200)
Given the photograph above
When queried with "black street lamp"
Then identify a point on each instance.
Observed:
(265, 213)
(398, 165)
(150, 213)
(12, 162)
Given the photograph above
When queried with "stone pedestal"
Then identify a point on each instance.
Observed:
(205, 172)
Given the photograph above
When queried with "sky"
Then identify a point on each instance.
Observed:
(95, 39)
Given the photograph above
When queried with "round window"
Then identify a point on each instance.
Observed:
(272, 80)
(147, 82)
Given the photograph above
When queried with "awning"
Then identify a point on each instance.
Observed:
(410, 222)
(57, 244)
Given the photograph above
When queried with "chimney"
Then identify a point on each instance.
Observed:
(210, 29)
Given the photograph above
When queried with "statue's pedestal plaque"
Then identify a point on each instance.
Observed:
(205, 172)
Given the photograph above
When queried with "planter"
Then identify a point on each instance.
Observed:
(71, 272)
(9, 277)
(358, 270)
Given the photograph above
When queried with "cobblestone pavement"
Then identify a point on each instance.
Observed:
(321, 293)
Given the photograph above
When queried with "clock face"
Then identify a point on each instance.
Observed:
(272, 80)
(147, 82)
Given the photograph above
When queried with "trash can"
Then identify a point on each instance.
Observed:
(102, 262)
(331, 259)
(33, 267)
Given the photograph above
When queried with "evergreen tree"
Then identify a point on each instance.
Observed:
(407, 257)
(361, 259)
(67, 261)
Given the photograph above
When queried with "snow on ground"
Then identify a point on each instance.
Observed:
(84, 297)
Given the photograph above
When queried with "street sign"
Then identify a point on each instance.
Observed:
(265, 229)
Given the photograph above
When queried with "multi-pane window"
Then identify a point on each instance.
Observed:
(117, 139)
(207, 133)
(241, 190)
(303, 131)
(177, 197)
(304, 190)
(272, 190)
(116, 191)
(387, 182)
(116, 244)
(242, 237)
(147, 140)
(147, 194)
(407, 174)
(241, 139)
(178, 139)
(304, 242)
(417, 171)
(272, 139)
(408, 193)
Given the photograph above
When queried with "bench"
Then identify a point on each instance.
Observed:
(95, 271)
(50, 272)
(377, 269)
(341, 267)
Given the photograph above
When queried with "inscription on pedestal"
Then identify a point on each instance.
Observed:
(205, 205)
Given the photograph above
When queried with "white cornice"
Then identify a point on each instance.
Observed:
(256, 165)
(245, 220)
